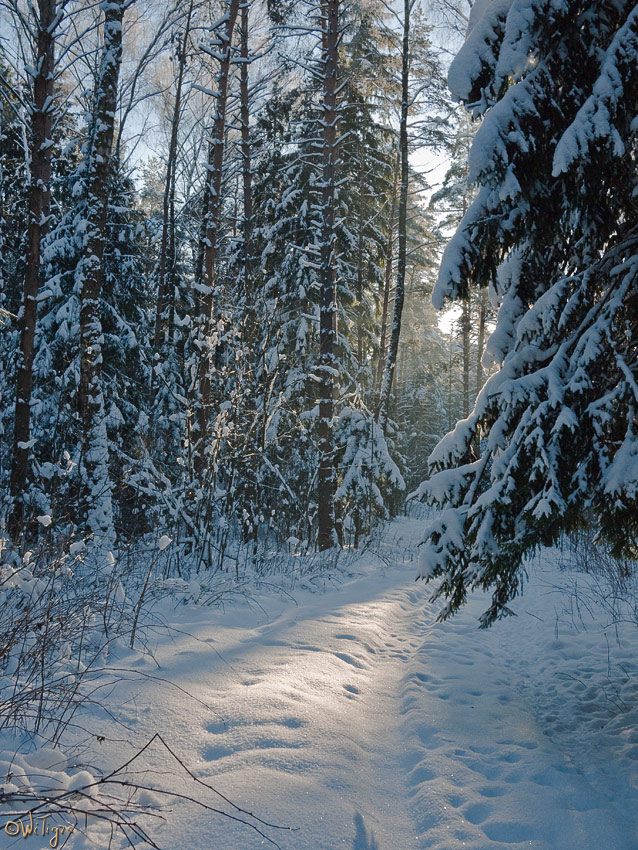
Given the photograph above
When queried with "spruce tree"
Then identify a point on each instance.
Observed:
(554, 233)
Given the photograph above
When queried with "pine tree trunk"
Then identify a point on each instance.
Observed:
(95, 479)
(480, 375)
(450, 367)
(39, 204)
(360, 235)
(166, 261)
(247, 178)
(387, 280)
(481, 340)
(173, 279)
(466, 326)
(326, 479)
(208, 244)
(393, 347)
(251, 381)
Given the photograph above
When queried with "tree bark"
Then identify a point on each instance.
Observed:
(95, 480)
(450, 369)
(326, 479)
(208, 246)
(399, 295)
(247, 177)
(38, 220)
(252, 381)
(480, 376)
(166, 259)
(466, 326)
(387, 280)
(360, 241)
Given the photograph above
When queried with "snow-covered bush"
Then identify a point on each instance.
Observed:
(612, 581)
(369, 477)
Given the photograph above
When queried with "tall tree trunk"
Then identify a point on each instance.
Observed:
(480, 375)
(173, 279)
(208, 245)
(466, 327)
(387, 280)
(247, 177)
(251, 318)
(39, 204)
(166, 260)
(95, 479)
(393, 347)
(253, 385)
(481, 340)
(360, 241)
(450, 366)
(326, 479)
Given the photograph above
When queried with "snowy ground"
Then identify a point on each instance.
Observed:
(355, 719)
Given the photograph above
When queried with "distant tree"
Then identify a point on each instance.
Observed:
(449, 204)
(554, 232)
(421, 404)
(420, 85)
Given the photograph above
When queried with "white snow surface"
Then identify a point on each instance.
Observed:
(352, 716)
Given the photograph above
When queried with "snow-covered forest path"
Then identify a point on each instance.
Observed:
(357, 720)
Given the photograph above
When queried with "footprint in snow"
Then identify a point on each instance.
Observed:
(508, 832)
(527, 745)
(476, 812)
(292, 722)
(427, 736)
(482, 751)
(491, 791)
(510, 758)
(214, 752)
(421, 773)
(422, 677)
(343, 656)
(217, 727)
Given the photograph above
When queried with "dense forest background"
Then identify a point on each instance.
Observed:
(219, 233)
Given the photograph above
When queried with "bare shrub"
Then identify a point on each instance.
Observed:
(613, 580)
